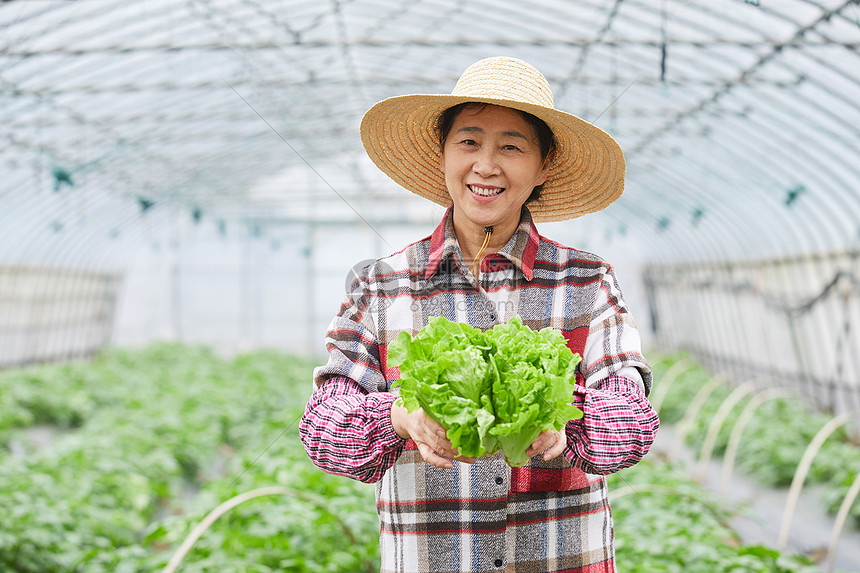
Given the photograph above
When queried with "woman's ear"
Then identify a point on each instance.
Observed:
(550, 157)
(544, 168)
(442, 161)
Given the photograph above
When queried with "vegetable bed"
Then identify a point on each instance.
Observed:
(106, 466)
(664, 522)
(774, 440)
(145, 444)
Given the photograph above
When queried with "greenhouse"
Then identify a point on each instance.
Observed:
(203, 206)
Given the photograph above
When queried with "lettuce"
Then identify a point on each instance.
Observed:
(443, 371)
(490, 390)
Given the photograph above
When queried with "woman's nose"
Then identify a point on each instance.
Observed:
(485, 163)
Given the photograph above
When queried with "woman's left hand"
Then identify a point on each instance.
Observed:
(553, 441)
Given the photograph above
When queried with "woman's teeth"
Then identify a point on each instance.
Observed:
(485, 191)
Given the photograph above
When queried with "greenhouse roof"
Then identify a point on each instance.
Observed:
(740, 121)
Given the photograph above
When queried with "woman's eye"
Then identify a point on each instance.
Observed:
(510, 148)
(468, 142)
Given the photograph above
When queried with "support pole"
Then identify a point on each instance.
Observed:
(662, 388)
(690, 415)
(738, 429)
(841, 517)
(231, 503)
(803, 469)
(723, 412)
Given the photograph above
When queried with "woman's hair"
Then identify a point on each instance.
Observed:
(546, 140)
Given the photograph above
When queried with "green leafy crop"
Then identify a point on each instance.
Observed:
(107, 465)
(490, 390)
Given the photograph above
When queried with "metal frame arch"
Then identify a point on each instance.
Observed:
(721, 60)
(809, 169)
(803, 468)
(745, 141)
(717, 246)
(817, 227)
(824, 170)
(714, 201)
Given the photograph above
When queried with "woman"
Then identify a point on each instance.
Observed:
(500, 156)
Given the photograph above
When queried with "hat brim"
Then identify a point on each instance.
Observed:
(586, 174)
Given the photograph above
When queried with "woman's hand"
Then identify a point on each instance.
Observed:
(553, 441)
(428, 435)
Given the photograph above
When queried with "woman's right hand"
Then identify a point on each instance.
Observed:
(429, 436)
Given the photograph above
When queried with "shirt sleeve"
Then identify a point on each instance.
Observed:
(617, 428)
(346, 427)
(618, 424)
(348, 432)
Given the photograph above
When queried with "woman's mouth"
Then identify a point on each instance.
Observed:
(485, 191)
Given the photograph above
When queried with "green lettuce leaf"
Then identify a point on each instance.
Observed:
(489, 390)
(445, 373)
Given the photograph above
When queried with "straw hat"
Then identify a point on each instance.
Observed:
(587, 174)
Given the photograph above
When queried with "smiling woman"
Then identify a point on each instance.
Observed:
(492, 161)
(544, 135)
(484, 151)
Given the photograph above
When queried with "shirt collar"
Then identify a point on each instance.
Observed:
(520, 250)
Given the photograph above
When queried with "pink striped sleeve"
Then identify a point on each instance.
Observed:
(617, 429)
(348, 432)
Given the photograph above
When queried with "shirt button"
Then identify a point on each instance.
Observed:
(493, 316)
(499, 480)
(498, 562)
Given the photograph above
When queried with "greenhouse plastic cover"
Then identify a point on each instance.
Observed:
(215, 146)
(739, 120)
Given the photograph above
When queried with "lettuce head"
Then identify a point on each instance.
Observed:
(489, 390)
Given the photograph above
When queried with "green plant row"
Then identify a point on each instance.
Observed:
(670, 524)
(143, 444)
(773, 442)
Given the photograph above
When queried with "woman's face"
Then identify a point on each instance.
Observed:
(491, 160)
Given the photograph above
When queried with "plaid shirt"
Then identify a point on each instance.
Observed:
(545, 517)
